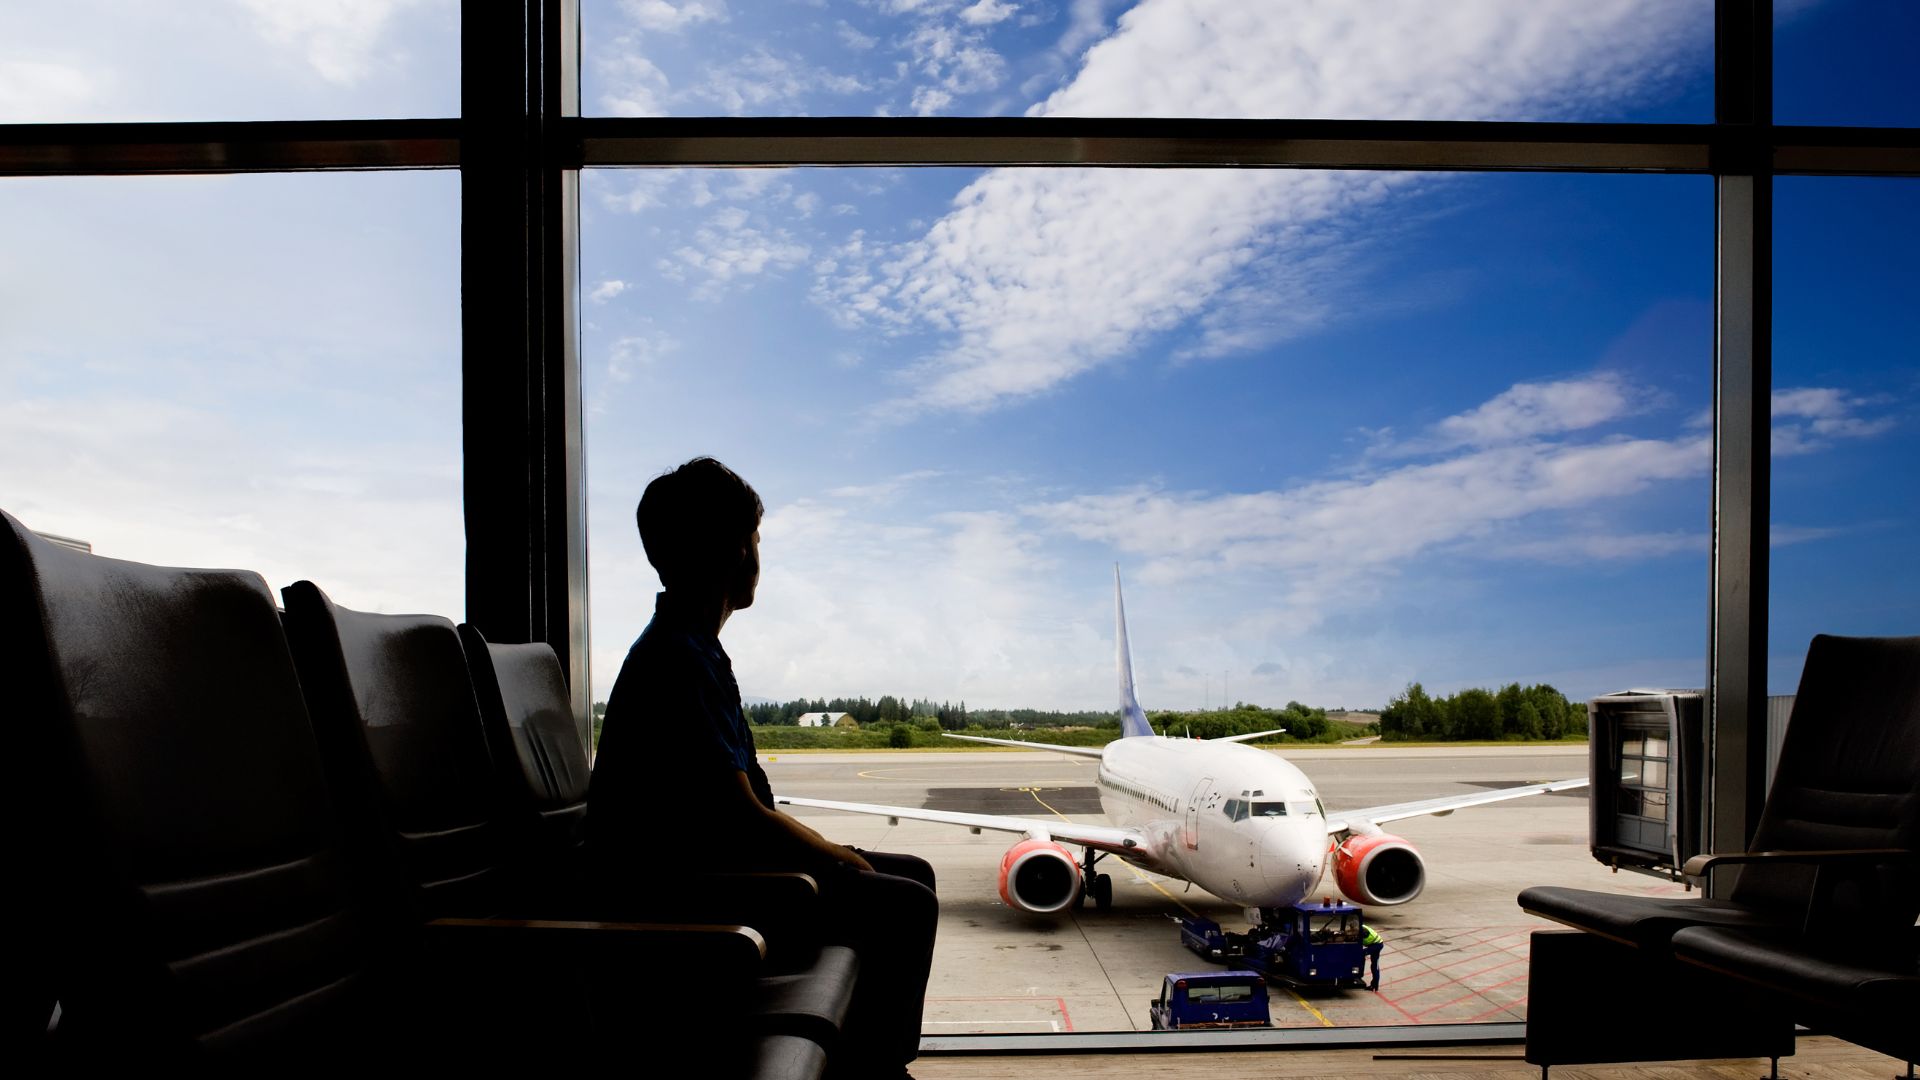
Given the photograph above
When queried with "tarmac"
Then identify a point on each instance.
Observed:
(1456, 954)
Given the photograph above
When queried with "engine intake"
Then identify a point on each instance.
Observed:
(1039, 876)
(1378, 870)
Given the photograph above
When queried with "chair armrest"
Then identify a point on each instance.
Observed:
(739, 950)
(784, 907)
(1702, 865)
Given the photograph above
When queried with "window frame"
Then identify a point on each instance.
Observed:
(520, 144)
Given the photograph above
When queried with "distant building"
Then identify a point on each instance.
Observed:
(827, 719)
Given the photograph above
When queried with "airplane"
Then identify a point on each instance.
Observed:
(1244, 824)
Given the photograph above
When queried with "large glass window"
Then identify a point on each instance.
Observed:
(1343, 433)
(1846, 62)
(82, 61)
(1360, 59)
(1846, 375)
(251, 371)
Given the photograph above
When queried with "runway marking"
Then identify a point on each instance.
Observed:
(1065, 1023)
(1307, 1005)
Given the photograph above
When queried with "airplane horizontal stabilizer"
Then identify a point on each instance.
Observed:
(1250, 736)
(1081, 751)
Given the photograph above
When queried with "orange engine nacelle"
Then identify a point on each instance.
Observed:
(1378, 870)
(1039, 876)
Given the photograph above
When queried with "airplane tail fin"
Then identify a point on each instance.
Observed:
(1133, 722)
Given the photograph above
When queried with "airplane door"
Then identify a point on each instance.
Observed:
(1191, 833)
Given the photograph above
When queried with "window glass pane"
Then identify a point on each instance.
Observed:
(1359, 59)
(1343, 432)
(1846, 367)
(80, 61)
(1847, 62)
(251, 371)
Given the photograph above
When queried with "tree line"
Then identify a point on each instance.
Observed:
(1303, 723)
(946, 715)
(1512, 712)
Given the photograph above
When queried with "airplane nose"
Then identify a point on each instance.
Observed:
(1290, 862)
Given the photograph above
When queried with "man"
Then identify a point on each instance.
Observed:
(675, 750)
(1370, 938)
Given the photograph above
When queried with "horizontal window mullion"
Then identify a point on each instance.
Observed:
(279, 146)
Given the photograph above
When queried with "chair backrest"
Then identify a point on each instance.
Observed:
(538, 747)
(1849, 777)
(394, 709)
(188, 885)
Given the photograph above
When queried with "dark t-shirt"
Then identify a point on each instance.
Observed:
(673, 738)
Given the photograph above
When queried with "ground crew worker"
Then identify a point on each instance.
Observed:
(1371, 940)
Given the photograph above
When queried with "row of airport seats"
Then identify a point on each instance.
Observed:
(337, 838)
(1819, 929)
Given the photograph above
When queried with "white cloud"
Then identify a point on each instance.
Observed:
(1548, 408)
(1038, 276)
(854, 39)
(760, 79)
(607, 290)
(634, 352)
(960, 61)
(32, 91)
(987, 12)
(339, 38)
(635, 86)
(666, 16)
(929, 100)
(1807, 419)
(732, 252)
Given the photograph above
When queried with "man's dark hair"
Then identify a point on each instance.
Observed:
(694, 520)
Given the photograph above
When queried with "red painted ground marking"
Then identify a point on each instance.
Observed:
(1512, 1005)
(1395, 1006)
(1059, 1002)
(1064, 1018)
(1455, 980)
(1465, 997)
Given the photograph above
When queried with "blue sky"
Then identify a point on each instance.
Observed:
(1341, 431)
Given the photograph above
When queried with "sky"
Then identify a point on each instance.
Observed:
(1340, 432)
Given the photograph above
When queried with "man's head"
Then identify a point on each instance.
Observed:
(700, 525)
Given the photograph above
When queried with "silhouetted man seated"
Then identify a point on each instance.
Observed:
(676, 762)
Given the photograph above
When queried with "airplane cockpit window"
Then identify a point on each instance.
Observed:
(1236, 810)
(1269, 809)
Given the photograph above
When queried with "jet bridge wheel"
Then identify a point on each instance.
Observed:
(1102, 890)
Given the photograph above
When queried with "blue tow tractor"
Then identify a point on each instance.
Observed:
(1304, 945)
(1211, 999)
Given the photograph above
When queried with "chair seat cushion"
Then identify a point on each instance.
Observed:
(811, 1003)
(1885, 981)
(1644, 922)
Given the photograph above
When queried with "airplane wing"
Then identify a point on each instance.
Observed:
(1123, 842)
(1082, 751)
(1250, 736)
(1376, 815)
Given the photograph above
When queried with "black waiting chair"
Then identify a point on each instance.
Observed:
(395, 708)
(529, 721)
(1860, 987)
(191, 897)
(191, 893)
(1840, 828)
(1833, 872)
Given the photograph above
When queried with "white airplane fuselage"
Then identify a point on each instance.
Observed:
(1239, 822)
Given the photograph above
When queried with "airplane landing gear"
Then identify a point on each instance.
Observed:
(1097, 885)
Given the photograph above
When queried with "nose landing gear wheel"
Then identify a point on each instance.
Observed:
(1102, 890)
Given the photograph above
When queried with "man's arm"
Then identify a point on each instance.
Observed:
(782, 840)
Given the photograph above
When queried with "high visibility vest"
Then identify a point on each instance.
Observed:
(1373, 936)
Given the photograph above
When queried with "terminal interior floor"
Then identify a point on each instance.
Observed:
(1818, 1058)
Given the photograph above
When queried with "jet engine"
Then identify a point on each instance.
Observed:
(1039, 876)
(1378, 870)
